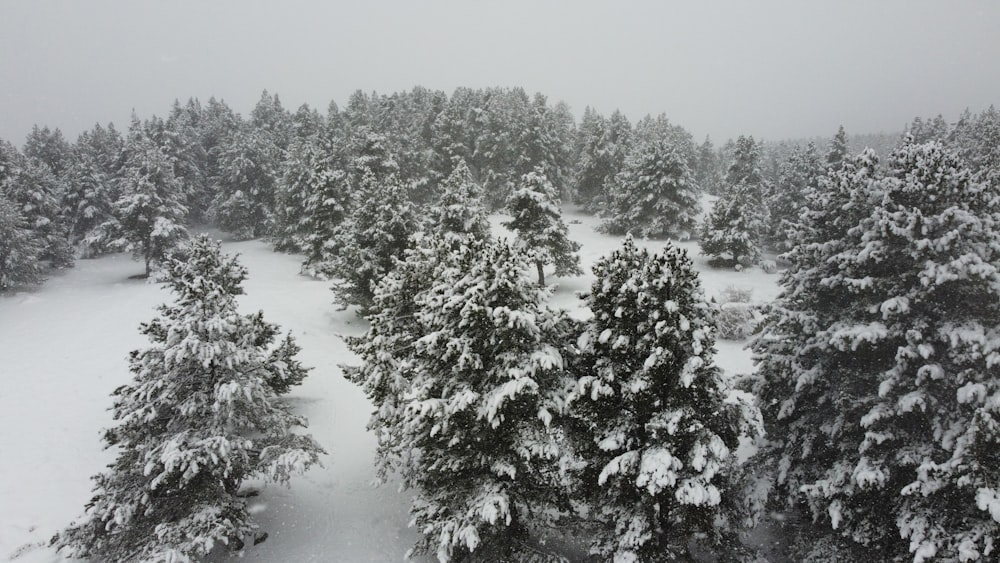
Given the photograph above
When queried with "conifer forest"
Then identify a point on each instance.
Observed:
(485, 326)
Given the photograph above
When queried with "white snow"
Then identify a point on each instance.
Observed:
(65, 347)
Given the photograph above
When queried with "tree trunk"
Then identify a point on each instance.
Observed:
(541, 273)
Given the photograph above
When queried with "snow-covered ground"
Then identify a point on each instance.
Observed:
(64, 349)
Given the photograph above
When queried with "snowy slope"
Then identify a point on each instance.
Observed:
(65, 349)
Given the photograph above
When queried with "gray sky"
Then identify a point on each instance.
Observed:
(773, 69)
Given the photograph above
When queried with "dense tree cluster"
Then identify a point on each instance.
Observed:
(876, 368)
(877, 373)
(498, 410)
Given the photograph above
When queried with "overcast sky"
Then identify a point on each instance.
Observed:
(773, 69)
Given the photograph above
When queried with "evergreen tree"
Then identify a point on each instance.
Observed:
(459, 213)
(327, 208)
(305, 192)
(657, 424)
(654, 195)
(707, 172)
(876, 372)
(977, 141)
(89, 198)
(199, 418)
(799, 174)
(365, 247)
(604, 144)
(181, 142)
(466, 395)
(248, 168)
(731, 233)
(537, 220)
(48, 146)
(36, 192)
(149, 216)
(270, 120)
(19, 249)
(838, 150)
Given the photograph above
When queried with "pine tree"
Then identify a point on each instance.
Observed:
(199, 418)
(657, 424)
(877, 371)
(37, 191)
(181, 142)
(19, 249)
(459, 213)
(48, 146)
(327, 208)
(537, 220)
(732, 232)
(707, 172)
(248, 168)
(149, 217)
(465, 389)
(799, 174)
(89, 199)
(604, 146)
(838, 150)
(365, 247)
(654, 195)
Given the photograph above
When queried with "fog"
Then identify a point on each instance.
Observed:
(771, 69)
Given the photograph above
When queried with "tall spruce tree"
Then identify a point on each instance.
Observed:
(19, 249)
(37, 193)
(799, 174)
(877, 371)
(732, 232)
(199, 418)
(537, 220)
(838, 149)
(657, 424)
(459, 212)
(466, 388)
(248, 169)
(655, 195)
(366, 246)
(149, 216)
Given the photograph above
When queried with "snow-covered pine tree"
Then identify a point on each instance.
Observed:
(654, 195)
(537, 220)
(181, 142)
(878, 372)
(657, 425)
(88, 200)
(616, 144)
(707, 170)
(799, 174)
(149, 216)
(385, 349)
(200, 417)
(785, 352)
(328, 208)
(466, 388)
(248, 168)
(313, 198)
(367, 245)
(19, 249)
(838, 150)
(37, 191)
(48, 146)
(459, 213)
(731, 233)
